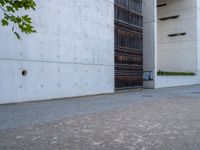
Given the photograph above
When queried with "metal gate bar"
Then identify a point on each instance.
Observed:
(128, 44)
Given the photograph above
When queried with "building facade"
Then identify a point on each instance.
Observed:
(171, 42)
(90, 47)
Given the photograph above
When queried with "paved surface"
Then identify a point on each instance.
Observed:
(163, 119)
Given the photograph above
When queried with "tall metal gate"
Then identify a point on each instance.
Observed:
(128, 44)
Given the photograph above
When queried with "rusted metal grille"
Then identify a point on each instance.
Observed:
(128, 44)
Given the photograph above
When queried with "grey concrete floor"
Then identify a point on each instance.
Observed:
(163, 119)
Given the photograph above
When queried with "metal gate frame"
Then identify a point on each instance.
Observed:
(128, 44)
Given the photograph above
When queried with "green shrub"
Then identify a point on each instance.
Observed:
(165, 73)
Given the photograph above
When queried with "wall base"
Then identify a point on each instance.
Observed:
(172, 81)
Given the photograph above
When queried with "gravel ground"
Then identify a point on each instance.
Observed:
(164, 119)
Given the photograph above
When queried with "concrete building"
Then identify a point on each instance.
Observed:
(171, 41)
(74, 51)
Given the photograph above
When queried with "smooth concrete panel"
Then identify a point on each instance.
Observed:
(45, 80)
(72, 53)
(174, 5)
(75, 27)
(179, 53)
(198, 36)
(149, 46)
(150, 40)
(198, 57)
(183, 24)
(178, 57)
(198, 23)
(172, 81)
(183, 13)
(149, 11)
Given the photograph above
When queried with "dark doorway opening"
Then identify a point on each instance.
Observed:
(128, 44)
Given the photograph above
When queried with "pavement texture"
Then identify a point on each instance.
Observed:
(163, 119)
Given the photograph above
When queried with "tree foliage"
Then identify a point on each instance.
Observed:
(10, 10)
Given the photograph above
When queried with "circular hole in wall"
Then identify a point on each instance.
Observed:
(24, 72)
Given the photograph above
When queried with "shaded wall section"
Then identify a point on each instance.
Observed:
(150, 41)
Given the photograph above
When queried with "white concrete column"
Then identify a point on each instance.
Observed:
(198, 36)
(150, 40)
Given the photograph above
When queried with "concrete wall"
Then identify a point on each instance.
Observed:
(72, 53)
(177, 53)
(198, 36)
(172, 81)
(150, 40)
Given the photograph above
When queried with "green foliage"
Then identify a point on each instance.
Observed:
(10, 8)
(164, 73)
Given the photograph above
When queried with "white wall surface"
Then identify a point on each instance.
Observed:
(198, 36)
(172, 81)
(178, 54)
(72, 53)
